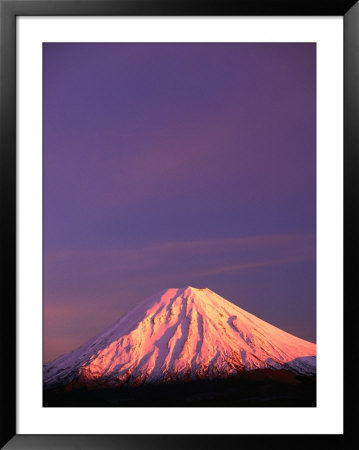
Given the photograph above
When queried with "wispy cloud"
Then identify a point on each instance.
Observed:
(260, 242)
(251, 265)
(91, 272)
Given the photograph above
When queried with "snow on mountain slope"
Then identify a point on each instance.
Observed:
(185, 333)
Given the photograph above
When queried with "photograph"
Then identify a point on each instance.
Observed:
(179, 224)
(179, 191)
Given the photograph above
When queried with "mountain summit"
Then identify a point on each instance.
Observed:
(181, 334)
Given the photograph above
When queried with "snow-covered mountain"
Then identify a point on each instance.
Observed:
(181, 334)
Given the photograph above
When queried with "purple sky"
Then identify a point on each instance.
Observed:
(168, 165)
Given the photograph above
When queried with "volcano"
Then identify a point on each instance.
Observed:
(181, 335)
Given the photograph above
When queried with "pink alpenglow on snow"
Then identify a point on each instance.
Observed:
(181, 334)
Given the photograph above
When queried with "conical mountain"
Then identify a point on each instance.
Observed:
(181, 334)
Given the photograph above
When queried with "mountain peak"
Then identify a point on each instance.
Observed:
(190, 290)
(181, 333)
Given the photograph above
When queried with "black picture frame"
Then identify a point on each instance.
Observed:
(9, 10)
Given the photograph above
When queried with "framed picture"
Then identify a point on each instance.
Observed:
(174, 182)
